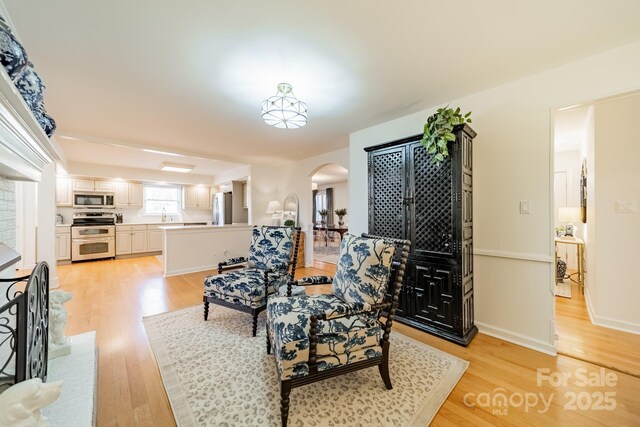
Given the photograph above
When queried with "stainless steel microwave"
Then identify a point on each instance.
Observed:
(86, 199)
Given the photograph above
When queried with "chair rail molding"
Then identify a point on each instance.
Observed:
(514, 255)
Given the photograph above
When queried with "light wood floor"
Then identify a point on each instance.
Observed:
(578, 337)
(111, 297)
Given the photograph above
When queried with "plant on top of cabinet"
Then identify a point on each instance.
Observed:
(438, 131)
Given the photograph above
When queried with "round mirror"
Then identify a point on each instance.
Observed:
(290, 211)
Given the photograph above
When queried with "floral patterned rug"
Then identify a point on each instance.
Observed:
(216, 374)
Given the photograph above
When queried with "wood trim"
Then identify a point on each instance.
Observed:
(523, 256)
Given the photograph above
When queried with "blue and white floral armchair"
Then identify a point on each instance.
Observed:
(271, 265)
(315, 337)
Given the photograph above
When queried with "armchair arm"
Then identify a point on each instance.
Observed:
(314, 280)
(352, 310)
(231, 262)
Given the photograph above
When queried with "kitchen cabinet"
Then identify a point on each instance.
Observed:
(83, 185)
(64, 192)
(154, 239)
(131, 239)
(128, 194)
(63, 243)
(196, 197)
(92, 185)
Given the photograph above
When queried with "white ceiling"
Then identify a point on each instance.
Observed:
(330, 174)
(83, 151)
(191, 75)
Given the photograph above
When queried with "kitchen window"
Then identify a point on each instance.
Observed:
(157, 197)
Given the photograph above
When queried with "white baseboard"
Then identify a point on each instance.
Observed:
(608, 322)
(518, 339)
(191, 270)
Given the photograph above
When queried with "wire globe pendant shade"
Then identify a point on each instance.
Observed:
(284, 110)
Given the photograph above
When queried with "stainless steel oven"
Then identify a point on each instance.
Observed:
(93, 236)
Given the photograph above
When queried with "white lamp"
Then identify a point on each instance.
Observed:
(273, 208)
(569, 215)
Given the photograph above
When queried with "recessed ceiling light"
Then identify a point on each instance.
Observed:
(166, 153)
(176, 167)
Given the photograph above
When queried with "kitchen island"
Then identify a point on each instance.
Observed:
(188, 249)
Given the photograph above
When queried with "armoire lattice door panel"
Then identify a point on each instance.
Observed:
(387, 190)
(431, 205)
(432, 195)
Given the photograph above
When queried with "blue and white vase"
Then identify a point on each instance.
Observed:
(31, 88)
(12, 55)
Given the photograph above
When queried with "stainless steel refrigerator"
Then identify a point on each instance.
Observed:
(222, 208)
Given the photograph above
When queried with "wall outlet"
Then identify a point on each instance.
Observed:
(525, 206)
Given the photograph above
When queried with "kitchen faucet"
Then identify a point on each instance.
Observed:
(164, 214)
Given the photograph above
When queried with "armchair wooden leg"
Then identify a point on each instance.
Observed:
(255, 322)
(206, 310)
(268, 342)
(285, 389)
(384, 366)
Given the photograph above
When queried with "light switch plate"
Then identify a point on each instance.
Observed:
(525, 206)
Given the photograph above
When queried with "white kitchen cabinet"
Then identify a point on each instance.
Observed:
(135, 195)
(131, 239)
(63, 243)
(107, 186)
(196, 197)
(123, 242)
(92, 185)
(64, 192)
(138, 241)
(83, 185)
(128, 194)
(154, 240)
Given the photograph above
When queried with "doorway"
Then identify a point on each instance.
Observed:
(330, 211)
(593, 173)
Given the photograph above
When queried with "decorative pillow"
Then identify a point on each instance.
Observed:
(271, 247)
(363, 270)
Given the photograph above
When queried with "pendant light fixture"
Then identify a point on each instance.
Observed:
(284, 110)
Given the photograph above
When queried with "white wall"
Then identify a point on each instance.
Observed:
(512, 162)
(276, 182)
(617, 179)
(46, 217)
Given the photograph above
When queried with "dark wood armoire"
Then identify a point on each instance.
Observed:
(412, 198)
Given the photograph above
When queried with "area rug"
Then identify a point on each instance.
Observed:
(216, 374)
(326, 253)
(563, 289)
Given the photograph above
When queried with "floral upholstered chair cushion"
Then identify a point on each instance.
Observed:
(363, 270)
(341, 340)
(271, 247)
(243, 287)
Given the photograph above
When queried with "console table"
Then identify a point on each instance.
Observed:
(579, 244)
(341, 230)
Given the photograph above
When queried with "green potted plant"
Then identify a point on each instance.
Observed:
(438, 131)
(289, 223)
(341, 212)
(323, 214)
